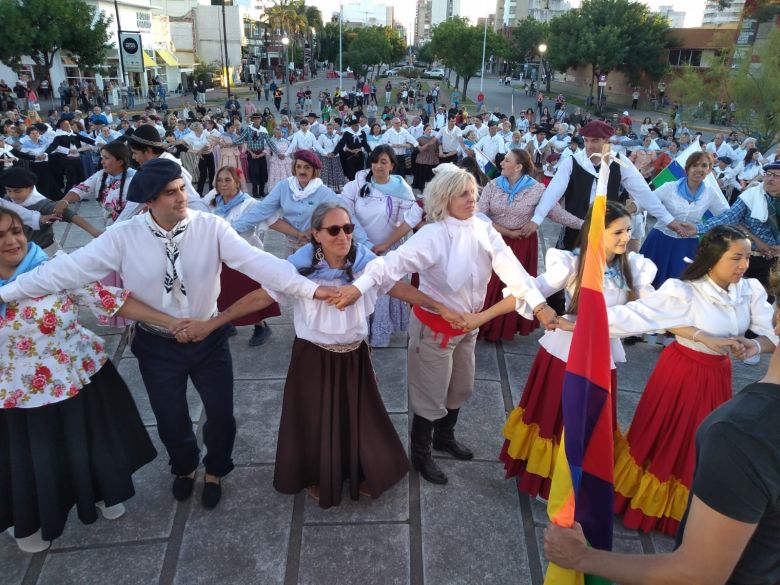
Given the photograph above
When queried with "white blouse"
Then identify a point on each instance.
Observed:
(372, 210)
(46, 356)
(682, 210)
(116, 207)
(701, 304)
(198, 143)
(561, 274)
(429, 252)
(321, 323)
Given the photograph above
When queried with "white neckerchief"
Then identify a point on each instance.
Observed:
(299, 194)
(467, 237)
(756, 202)
(587, 165)
(173, 268)
(536, 146)
(61, 132)
(33, 198)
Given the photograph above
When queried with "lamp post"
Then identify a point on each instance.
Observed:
(286, 43)
(341, 50)
(484, 46)
(542, 51)
(224, 39)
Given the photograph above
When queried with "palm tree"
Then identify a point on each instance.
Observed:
(314, 21)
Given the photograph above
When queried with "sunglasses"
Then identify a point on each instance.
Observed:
(334, 230)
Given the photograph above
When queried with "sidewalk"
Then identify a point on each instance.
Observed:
(477, 530)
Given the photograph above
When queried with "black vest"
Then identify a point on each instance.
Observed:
(577, 197)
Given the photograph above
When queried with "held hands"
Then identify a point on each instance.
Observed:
(379, 249)
(347, 295)
(188, 330)
(565, 325)
(683, 229)
(47, 219)
(547, 316)
(527, 230)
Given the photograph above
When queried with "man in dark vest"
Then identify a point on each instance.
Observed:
(575, 180)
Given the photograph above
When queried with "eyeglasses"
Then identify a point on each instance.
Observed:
(772, 175)
(335, 230)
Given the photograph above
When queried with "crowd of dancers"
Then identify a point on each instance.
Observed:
(188, 268)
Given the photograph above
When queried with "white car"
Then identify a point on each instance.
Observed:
(393, 72)
(437, 73)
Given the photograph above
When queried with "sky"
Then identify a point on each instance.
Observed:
(355, 10)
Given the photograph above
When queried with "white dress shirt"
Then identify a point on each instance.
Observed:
(326, 144)
(491, 146)
(449, 139)
(394, 137)
(198, 143)
(417, 131)
(701, 304)
(428, 253)
(630, 179)
(302, 141)
(130, 249)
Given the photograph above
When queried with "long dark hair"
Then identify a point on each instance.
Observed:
(372, 158)
(470, 164)
(317, 217)
(749, 155)
(713, 245)
(614, 212)
(120, 152)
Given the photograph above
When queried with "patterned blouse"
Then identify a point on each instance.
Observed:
(494, 203)
(46, 356)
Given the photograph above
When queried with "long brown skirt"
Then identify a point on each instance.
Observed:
(334, 427)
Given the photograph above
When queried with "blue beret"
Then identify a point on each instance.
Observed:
(773, 166)
(151, 178)
(100, 119)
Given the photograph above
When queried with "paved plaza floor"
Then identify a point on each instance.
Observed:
(477, 530)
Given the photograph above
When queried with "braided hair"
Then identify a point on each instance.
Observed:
(317, 217)
(372, 158)
(121, 152)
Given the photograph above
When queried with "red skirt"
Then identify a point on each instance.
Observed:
(533, 430)
(526, 250)
(654, 464)
(234, 286)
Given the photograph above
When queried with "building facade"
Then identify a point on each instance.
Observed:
(510, 12)
(728, 17)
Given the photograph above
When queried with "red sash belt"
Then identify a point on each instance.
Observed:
(437, 324)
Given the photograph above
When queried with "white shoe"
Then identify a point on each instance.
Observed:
(31, 544)
(111, 512)
(753, 360)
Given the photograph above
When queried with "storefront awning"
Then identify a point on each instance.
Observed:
(149, 63)
(167, 57)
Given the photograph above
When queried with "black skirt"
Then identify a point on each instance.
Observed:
(334, 427)
(76, 452)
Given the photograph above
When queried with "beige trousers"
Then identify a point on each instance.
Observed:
(440, 378)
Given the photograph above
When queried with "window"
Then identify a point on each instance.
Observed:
(681, 57)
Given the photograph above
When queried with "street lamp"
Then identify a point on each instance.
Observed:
(542, 51)
(286, 43)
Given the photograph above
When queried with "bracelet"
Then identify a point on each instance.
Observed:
(540, 308)
(758, 345)
(695, 334)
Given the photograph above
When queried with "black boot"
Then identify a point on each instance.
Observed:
(422, 460)
(444, 436)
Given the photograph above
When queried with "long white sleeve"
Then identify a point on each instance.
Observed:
(554, 191)
(635, 184)
(29, 217)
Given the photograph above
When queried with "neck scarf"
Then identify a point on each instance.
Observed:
(222, 209)
(467, 237)
(322, 271)
(512, 190)
(173, 269)
(35, 256)
(298, 193)
(684, 191)
(394, 188)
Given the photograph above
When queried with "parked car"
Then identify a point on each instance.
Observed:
(436, 73)
(391, 72)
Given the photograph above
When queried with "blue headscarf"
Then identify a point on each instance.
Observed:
(512, 190)
(685, 192)
(35, 256)
(303, 257)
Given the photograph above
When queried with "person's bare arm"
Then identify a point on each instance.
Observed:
(281, 226)
(197, 330)
(711, 548)
(406, 292)
(397, 234)
(136, 310)
(86, 226)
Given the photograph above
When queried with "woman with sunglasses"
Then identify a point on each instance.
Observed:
(293, 200)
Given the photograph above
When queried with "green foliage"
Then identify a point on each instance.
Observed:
(525, 41)
(458, 46)
(40, 28)
(329, 42)
(610, 35)
(755, 87)
(372, 46)
(205, 72)
(425, 54)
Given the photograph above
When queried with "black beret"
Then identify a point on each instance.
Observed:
(18, 178)
(151, 178)
(773, 166)
(146, 135)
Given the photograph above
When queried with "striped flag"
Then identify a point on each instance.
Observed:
(583, 482)
(485, 163)
(675, 171)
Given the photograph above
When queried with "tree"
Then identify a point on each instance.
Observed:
(425, 54)
(370, 47)
(755, 87)
(205, 72)
(525, 41)
(610, 35)
(41, 28)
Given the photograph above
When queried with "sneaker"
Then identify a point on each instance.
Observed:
(31, 544)
(111, 512)
(260, 335)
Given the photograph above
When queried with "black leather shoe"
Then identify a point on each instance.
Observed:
(212, 492)
(182, 487)
(427, 467)
(260, 335)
